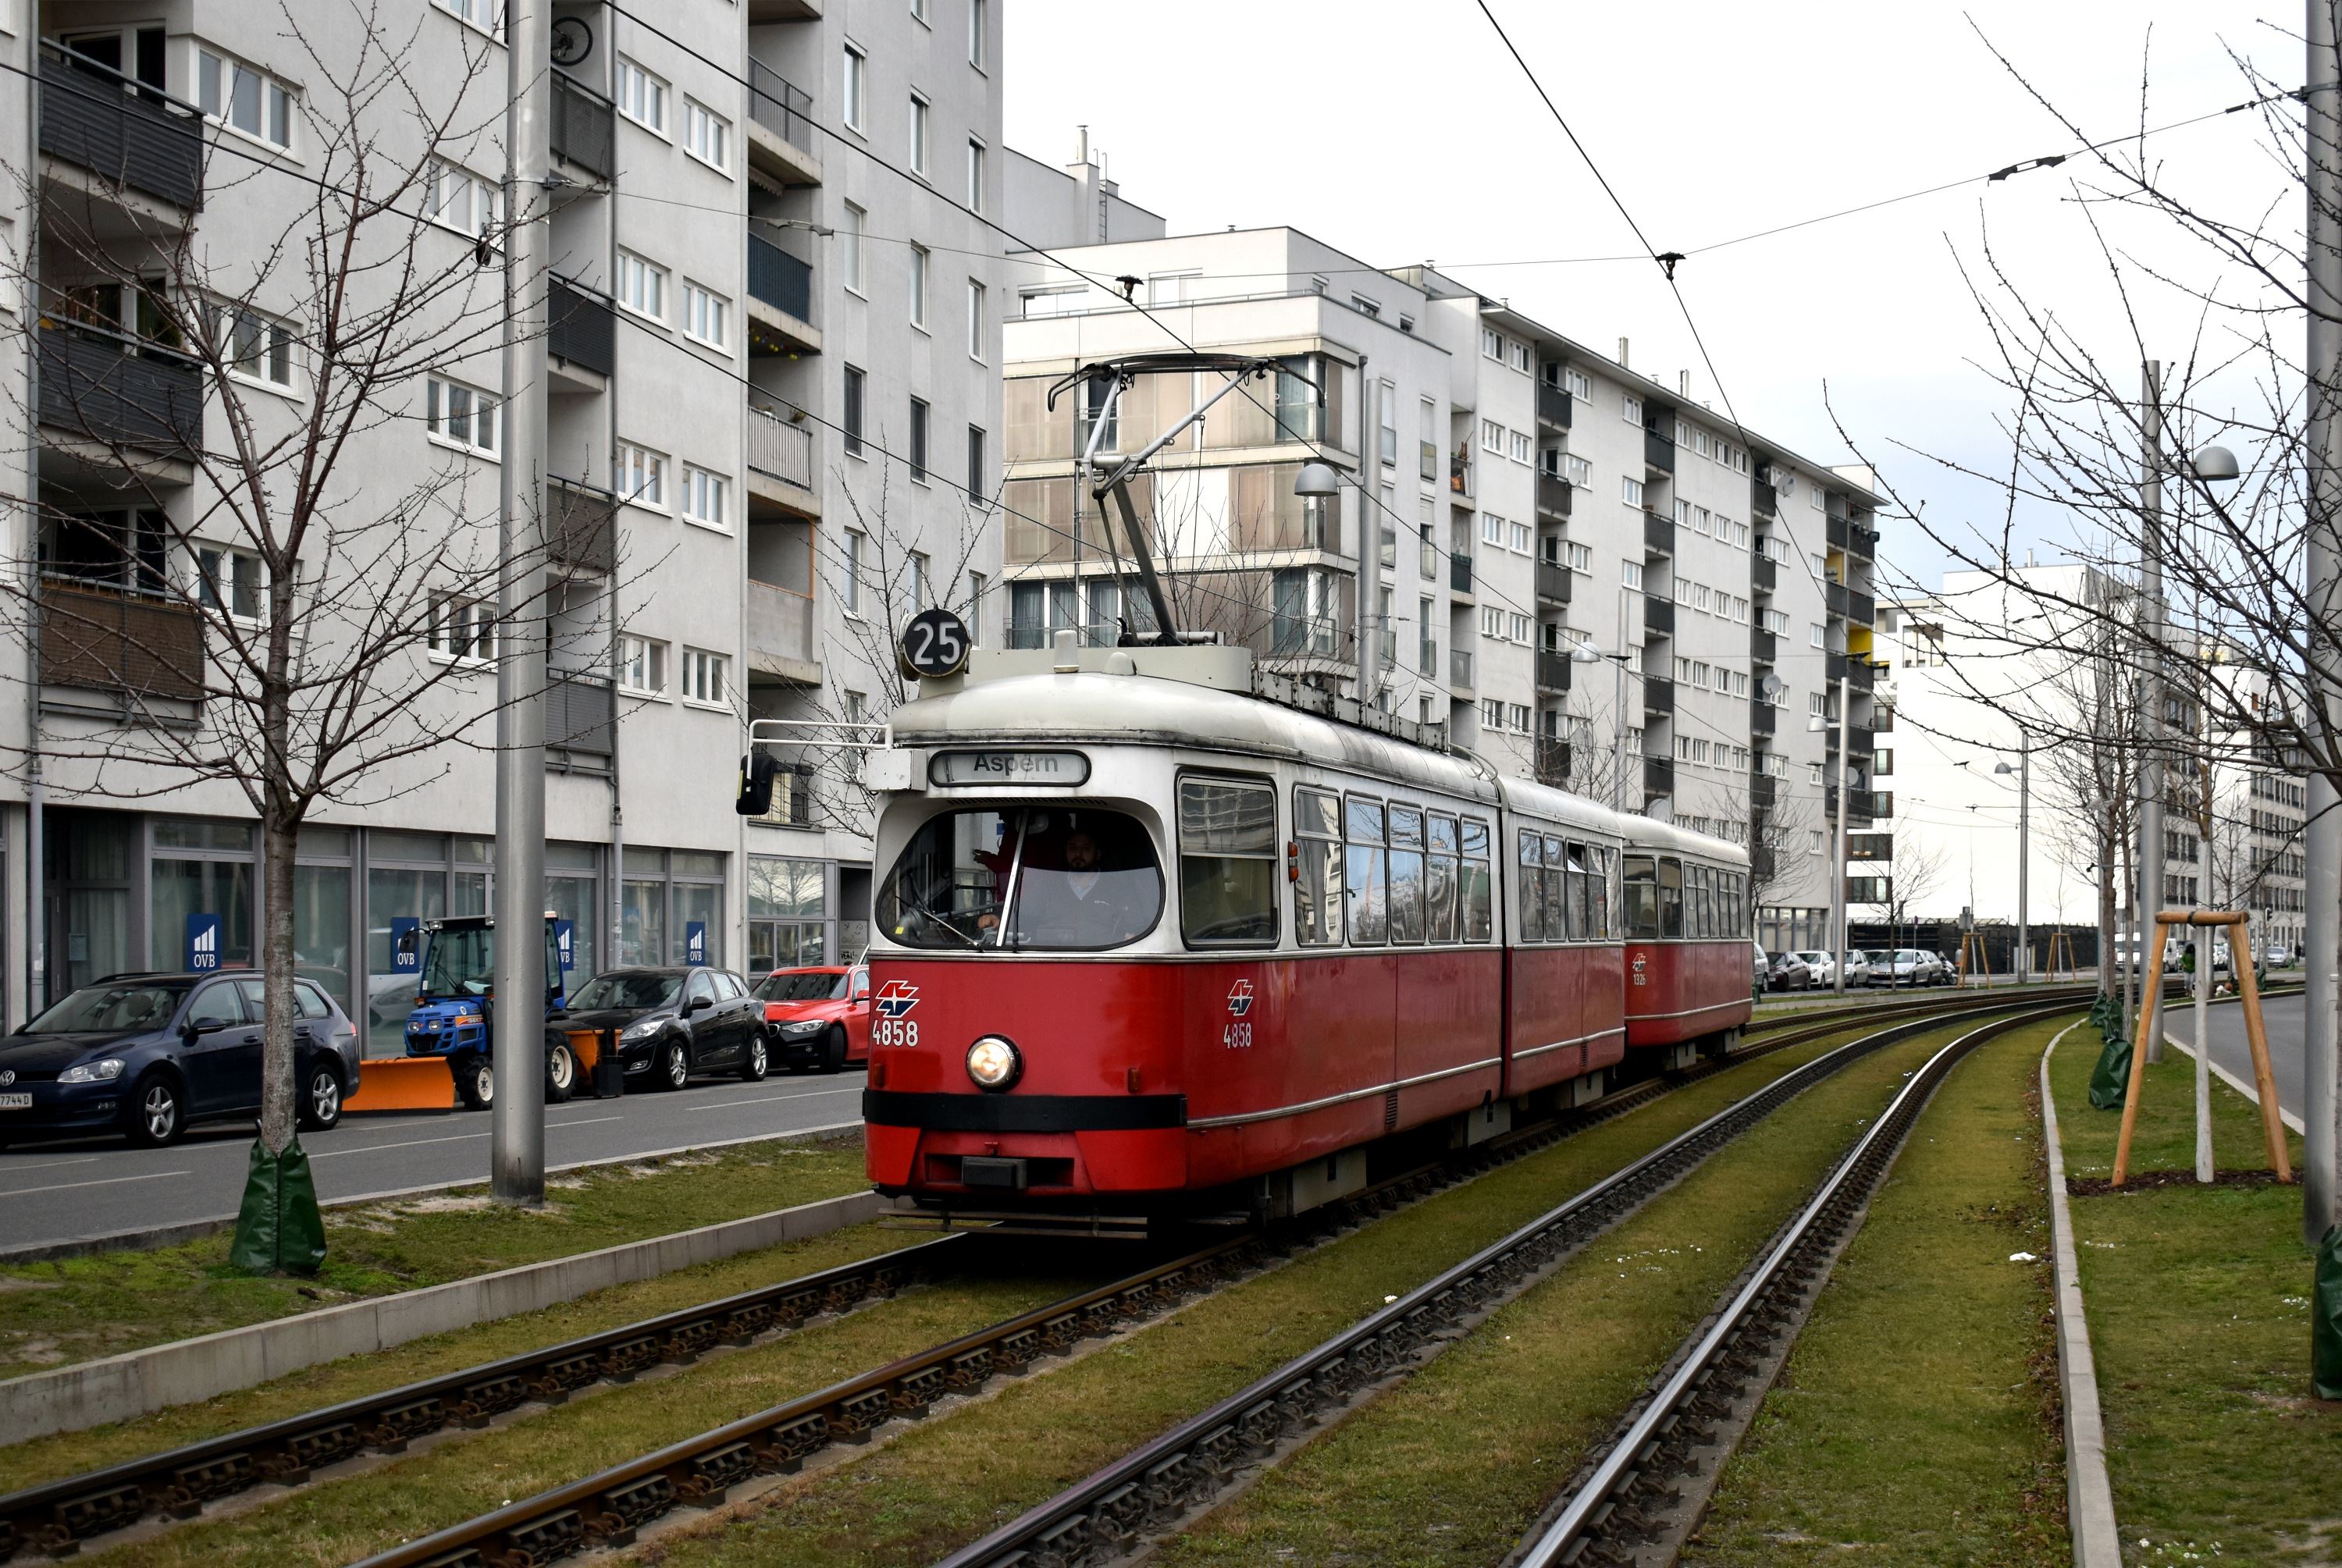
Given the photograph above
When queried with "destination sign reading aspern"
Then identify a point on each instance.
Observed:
(1004, 767)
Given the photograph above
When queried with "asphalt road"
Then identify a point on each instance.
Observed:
(68, 1191)
(2284, 1017)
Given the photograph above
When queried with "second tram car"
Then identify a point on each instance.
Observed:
(1145, 942)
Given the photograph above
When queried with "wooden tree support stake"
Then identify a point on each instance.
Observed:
(2255, 1033)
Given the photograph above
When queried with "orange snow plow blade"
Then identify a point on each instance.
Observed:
(402, 1084)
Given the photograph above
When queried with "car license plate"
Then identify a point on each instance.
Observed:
(20, 1101)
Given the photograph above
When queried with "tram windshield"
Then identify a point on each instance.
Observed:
(1022, 879)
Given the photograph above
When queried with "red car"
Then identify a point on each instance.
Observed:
(817, 1019)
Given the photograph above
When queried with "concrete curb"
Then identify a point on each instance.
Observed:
(139, 1383)
(2090, 1494)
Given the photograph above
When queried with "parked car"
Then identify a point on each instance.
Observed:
(147, 1054)
(1903, 966)
(2277, 954)
(1819, 966)
(1789, 973)
(818, 1017)
(674, 1024)
(1857, 967)
(1764, 974)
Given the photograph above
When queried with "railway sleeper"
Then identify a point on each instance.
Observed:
(914, 1392)
(1117, 1518)
(969, 1369)
(689, 1341)
(555, 1382)
(540, 1540)
(193, 1485)
(484, 1402)
(393, 1430)
(630, 1507)
(713, 1474)
(621, 1361)
(861, 1415)
(784, 1448)
(462, 1557)
(746, 1325)
(305, 1452)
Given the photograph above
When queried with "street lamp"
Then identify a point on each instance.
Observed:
(2023, 772)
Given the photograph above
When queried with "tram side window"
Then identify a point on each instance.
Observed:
(1557, 892)
(1605, 891)
(1228, 863)
(1439, 880)
(1641, 884)
(1671, 897)
(1405, 873)
(1695, 901)
(1318, 894)
(1532, 888)
(1476, 892)
(1367, 871)
(1740, 904)
(1580, 892)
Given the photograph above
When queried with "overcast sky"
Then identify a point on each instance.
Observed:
(1405, 134)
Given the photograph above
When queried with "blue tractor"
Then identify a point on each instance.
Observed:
(453, 1016)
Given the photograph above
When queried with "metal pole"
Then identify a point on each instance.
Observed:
(2321, 1182)
(1618, 719)
(516, 1135)
(36, 897)
(2151, 718)
(1837, 839)
(2025, 857)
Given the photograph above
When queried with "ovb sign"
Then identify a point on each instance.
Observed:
(406, 946)
(203, 943)
(565, 945)
(694, 942)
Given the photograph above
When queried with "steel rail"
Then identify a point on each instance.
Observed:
(1154, 1485)
(1606, 1509)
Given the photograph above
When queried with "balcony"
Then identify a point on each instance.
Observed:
(582, 338)
(145, 150)
(1658, 617)
(581, 527)
(1658, 778)
(1552, 407)
(780, 128)
(1553, 496)
(585, 128)
(1860, 607)
(1659, 533)
(1763, 789)
(1764, 500)
(1658, 453)
(780, 302)
(781, 637)
(1459, 671)
(1835, 593)
(1762, 717)
(1553, 582)
(1459, 574)
(1861, 541)
(580, 722)
(1763, 576)
(1833, 529)
(1658, 695)
(1552, 670)
(111, 639)
(780, 460)
(1764, 648)
(111, 403)
(1459, 477)
(1860, 674)
(1834, 667)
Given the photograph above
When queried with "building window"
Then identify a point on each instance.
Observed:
(1516, 627)
(1491, 344)
(460, 415)
(1630, 574)
(1492, 622)
(974, 176)
(1577, 383)
(1517, 718)
(1492, 529)
(642, 666)
(1492, 437)
(977, 487)
(256, 347)
(975, 321)
(1631, 407)
(704, 315)
(642, 97)
(857, 81)
(460, 200)
(1581, 472)
(706, 677)
(702, 497)
(707, 134)
(918, 440)
(1522, 446)
(850, 593)
(1492, 714)
(1581, 558)
(1364, 306)
(1520, 357)
(480, 13)
(1519, 538)
(641, 286)
(1817, 637)
(918, 135)
(849, 246)
(463, 629)
(234, 95)
(229, 580)
(975, 19)
(920, 596)
(850, 414)
(640, 476)
(1630, 491)
(918, 301)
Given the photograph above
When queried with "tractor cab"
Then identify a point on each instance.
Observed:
(454, 996)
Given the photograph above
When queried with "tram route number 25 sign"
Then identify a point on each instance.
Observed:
(934, 644)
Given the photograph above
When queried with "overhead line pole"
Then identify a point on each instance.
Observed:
(2322, 851)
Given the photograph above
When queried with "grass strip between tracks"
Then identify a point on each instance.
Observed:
(1918, 1418)
(1450, 1467)
(940, 1486)
(80, 1309)
(2200, 1322)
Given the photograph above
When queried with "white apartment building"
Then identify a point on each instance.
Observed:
(710, 371)
(1512, 496)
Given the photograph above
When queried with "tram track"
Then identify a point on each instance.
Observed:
(180, 1484)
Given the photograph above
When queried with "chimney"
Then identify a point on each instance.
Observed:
(1683, 383)
(1082, 145)
(1622, 353)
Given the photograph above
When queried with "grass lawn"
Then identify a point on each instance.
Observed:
(80, 1309)
(1918, 1420)
(2200, 1322)
(941, 1485)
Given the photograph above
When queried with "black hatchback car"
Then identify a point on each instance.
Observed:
(674, 1023)
(147, 1054)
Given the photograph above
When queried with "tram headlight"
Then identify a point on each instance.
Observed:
(994, 1065)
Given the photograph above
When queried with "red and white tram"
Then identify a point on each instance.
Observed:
(1145, 942)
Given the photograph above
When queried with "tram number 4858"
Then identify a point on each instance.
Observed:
(894, 1032)
(1236, 1036)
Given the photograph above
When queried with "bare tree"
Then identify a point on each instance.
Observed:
(1917, 873)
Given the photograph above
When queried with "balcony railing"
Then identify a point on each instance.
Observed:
(1552, 670)
(1658, 695)
(1659, 533)
(1658, 777)
(1459, 573)
(781, 108)
(1459, 669)
(1763, 789)
(114, 640)
(1658, 617)
(121, 131)
(780, 279)
(1763, 576)
(1834, 530)
(1763, 646)
(581, 715)
(582, 328)
(119, 391)
(1289, 637)
(581, 526)
(1763, 499)
(1860, 675)
(1552, 406)
(1553, 583)
(780, 626)
(1862, 541)
(780, 449)
(1553, 496)
(1658, 452)
(1834, 667)
(585, 128)
(1836, 596)
(1860, 607)
(1762, 718)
